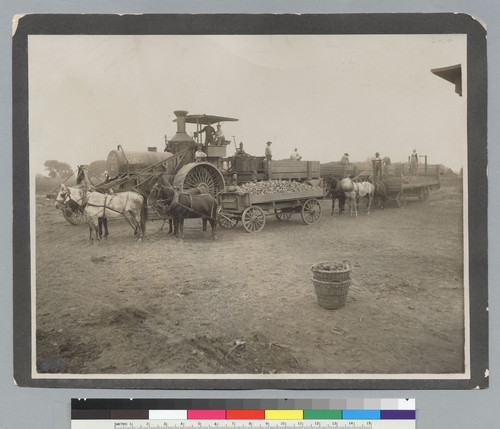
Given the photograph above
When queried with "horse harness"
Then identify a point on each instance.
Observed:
(81, 203)
(84, 202)
(175, 202)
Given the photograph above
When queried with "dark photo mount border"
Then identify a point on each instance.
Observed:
(331, 24)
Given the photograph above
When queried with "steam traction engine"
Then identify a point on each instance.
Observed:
(176, 164)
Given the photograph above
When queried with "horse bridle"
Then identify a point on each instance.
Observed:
(156, 202)
(67, 198)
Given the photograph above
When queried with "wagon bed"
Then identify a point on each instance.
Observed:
(401, 187)
(252, 209)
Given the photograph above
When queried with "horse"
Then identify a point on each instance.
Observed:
(354, 190)
(156, 201)
(97, 207)
(129, 204)
(331, 187)
(77, 196)
(186, 204)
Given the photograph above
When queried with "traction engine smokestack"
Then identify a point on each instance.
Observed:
(181, 135)
(181, 140)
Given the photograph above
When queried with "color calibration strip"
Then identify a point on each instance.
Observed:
(215, 414)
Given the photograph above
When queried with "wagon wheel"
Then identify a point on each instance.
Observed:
(226, 221)
(201, 175)
(401, 200)
(253, 219)
(73, 214)
(282, 215)
(424, 194)
(311, 212)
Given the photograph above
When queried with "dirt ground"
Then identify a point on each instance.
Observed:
(246, 303)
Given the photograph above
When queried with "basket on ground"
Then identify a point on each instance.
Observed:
(332, 271)
(331, 295)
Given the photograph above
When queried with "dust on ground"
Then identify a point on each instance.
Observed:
(246, 303)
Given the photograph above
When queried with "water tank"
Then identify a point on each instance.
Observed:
(120, 162)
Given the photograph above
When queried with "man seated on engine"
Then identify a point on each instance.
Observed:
(199, 155)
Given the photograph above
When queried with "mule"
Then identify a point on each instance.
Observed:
(354, 190)
(180, 205)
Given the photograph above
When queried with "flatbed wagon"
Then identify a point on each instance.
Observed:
(400, 188)
(252, 209)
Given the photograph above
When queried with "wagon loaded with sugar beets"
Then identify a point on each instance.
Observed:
(252, 202)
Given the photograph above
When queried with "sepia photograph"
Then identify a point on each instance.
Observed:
(260, 206)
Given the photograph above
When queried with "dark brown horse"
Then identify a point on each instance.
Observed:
(331, 183)
(180, 205)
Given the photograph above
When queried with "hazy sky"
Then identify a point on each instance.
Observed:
(323, 94)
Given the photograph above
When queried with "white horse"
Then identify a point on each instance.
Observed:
(69, 193)
(353, 190)
(130, 205)
(78, 196)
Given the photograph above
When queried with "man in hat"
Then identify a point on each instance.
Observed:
(414, 163)
(209, 133)
(269, 152)
(377, 165)
(219, 136)
(345, 159)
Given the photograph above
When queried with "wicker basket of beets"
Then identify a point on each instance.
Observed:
(332, 271)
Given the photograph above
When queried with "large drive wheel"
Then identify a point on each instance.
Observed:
(282, 215)
(73, 214)
(253, 219)
(401, 200)
(200, 175)
(311, 212)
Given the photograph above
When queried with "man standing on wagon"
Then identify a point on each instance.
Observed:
(269, 152)
(377, 165)
(269, 156)
(414, 163)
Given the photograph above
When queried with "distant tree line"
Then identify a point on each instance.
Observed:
(63, 170)
(58, 169)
